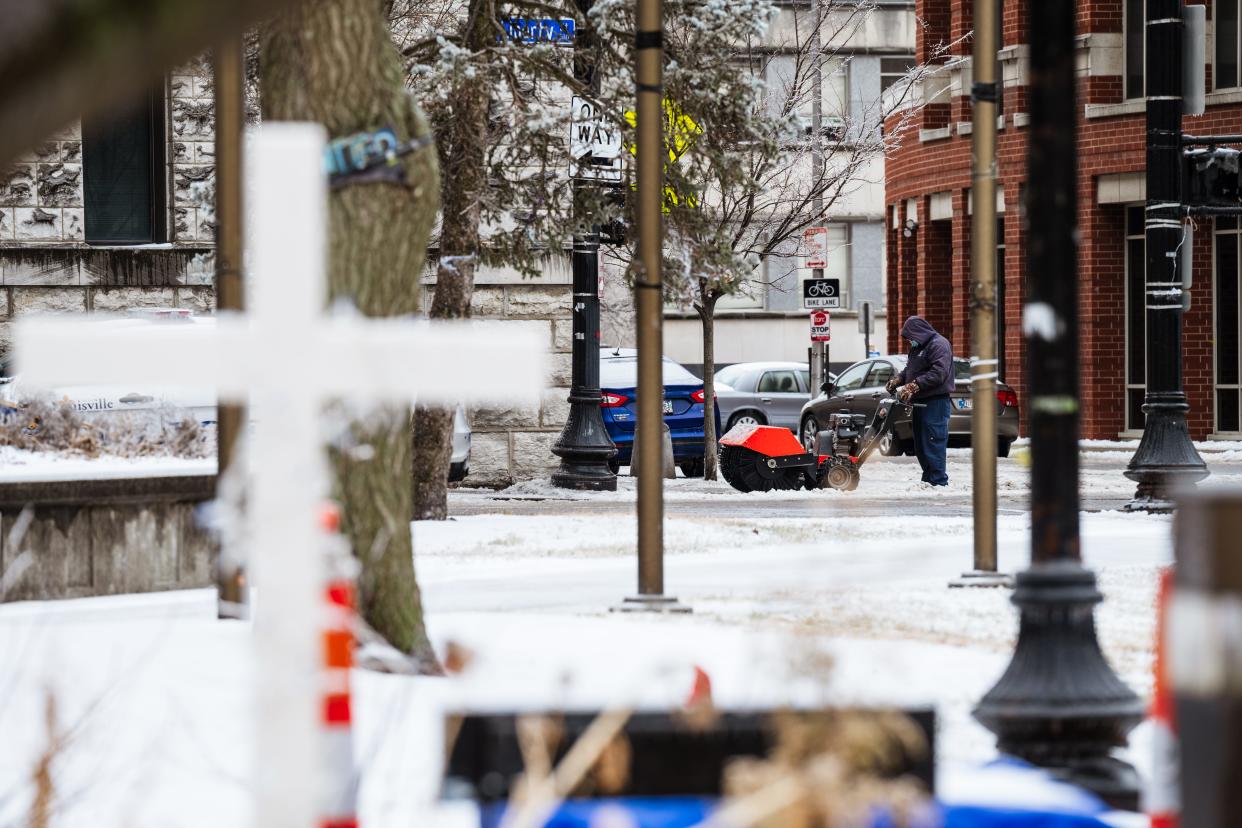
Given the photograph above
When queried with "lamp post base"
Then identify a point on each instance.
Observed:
(983, 578)
(665, 604)
(584, 447)
(1166, 461)
(1059, 704)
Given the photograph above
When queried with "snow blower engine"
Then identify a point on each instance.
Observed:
(755, 458)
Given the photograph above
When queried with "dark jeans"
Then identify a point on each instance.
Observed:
(931, 438)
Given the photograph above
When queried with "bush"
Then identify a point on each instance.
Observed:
(43, 424)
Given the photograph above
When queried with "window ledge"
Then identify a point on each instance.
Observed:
(1225, 436)
(1223, 96)
(1132, 107)
(926, 135)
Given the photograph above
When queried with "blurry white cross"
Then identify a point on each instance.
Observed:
(285, 358)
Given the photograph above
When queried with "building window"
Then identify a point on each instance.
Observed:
(1226, 320)
(1136, 319)
(893, 70)
(1135, 26)
(123, 174)
(1225, 18)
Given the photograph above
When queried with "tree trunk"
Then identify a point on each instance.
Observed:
(333, 62)
(462, 140)
(707, 315)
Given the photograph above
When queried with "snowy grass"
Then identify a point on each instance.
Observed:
(817, 610)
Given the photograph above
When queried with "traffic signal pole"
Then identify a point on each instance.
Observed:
(1166, 458)
(983, 310)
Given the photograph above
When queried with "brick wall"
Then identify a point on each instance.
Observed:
(1108, 145)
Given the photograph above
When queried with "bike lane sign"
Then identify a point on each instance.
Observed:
(821, 326)
(821, 293)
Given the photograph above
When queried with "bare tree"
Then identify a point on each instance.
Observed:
(757, 175)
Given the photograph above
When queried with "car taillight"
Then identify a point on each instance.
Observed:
(1007, 397)
(698, 396)
(612, 400)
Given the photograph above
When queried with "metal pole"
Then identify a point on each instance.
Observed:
(584, 445)
(1166, 458)
(983, 365)
(229, 83)
(649, 299)
(817, 162)
(1059, 704)
(1204, 670)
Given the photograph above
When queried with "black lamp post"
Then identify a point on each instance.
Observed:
(584, 445)
(1059, 704)
(1166, 458)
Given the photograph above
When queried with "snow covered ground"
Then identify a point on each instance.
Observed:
(152, 693)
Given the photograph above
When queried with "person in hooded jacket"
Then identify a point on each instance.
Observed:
(927, 379)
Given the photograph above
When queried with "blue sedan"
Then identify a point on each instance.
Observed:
(683, 408)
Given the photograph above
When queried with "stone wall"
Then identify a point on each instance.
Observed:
(46, 264)
(105, 537)
(514, 442)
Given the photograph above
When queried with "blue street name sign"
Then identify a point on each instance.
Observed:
(540, 29)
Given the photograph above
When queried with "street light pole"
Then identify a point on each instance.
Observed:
(228, 69)
(649, 301)
(983, 310)
(584, 445)
(1166, 458)
(1058, 704)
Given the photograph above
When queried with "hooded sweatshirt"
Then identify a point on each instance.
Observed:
(930, 364)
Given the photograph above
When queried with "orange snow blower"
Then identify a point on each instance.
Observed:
(755, 458)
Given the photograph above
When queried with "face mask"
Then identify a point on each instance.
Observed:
(913, 343)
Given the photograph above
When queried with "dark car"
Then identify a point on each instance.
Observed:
(683, 408)
(860, 388)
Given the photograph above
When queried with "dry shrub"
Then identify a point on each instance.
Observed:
(43, 424)
(829, 769)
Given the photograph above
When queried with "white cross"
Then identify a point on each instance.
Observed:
(285, 358)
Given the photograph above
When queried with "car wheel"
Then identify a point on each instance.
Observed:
(891, 445)
(691, 468)
(808, 433)
(1002, 447)
(746, 418)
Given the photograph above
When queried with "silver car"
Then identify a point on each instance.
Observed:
(762, 393)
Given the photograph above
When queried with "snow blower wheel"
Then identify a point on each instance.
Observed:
(841, 476)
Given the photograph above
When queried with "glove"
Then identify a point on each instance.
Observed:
(906, 392)
(891, 386)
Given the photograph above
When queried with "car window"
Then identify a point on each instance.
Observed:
(805, 374)
(961, 370)
(730, 375)
(778, 382)
(852, 378)
(881, 373)
(622, 372)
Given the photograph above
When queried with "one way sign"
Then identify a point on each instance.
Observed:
(594, 144)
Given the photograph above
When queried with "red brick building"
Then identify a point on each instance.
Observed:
(928, 210)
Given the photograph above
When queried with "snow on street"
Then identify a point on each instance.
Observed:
(807, 598)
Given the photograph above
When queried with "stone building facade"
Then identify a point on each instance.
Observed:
(928, 205)
(50, 259)
(54, 257)
(514, 442)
